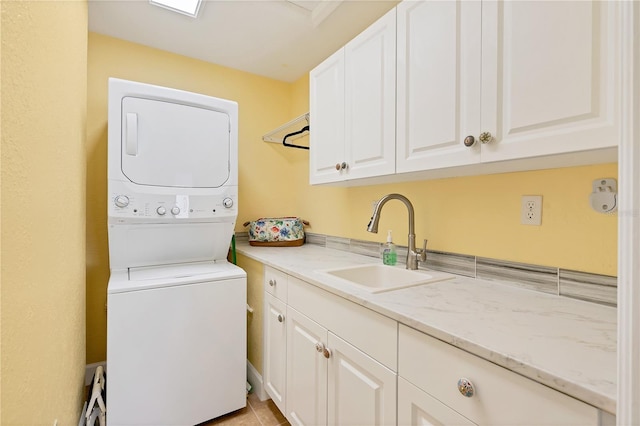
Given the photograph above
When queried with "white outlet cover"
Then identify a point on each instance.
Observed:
(531, 210)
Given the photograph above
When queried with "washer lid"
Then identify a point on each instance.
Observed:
(150, 277)
(180, 270)
(174, 145)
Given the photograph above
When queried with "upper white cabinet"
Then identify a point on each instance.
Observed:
(538, 78)
(352, 107)
(434, 86)
(326, 116)
(549, 77)
(438, 92)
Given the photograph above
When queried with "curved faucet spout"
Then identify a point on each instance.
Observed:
(375, 218)
(412, 252)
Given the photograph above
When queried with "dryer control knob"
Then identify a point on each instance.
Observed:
(161, 211)
(227, 202)
(122, 201)
(175, 210)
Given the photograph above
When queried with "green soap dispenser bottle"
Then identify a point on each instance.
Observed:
(389, 255)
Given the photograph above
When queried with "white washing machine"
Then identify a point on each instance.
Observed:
(176, 325)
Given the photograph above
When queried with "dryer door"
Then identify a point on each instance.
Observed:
(173, 145)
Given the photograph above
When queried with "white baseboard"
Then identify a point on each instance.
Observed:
(90, 371)
(255, 379)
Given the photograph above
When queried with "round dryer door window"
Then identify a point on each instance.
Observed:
(174, 145)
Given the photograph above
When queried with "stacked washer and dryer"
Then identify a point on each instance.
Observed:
(176, 327)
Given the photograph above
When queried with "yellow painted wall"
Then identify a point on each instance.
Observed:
(0, 214)
(255, 299)
(43, 88)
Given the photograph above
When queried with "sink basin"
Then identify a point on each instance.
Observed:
(378, 278)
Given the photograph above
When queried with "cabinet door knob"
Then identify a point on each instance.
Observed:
(272, 282)
(327, 353)
(469, 141)
(280, 318)
(338, 166)
(319, 347)
(341, 166)
(485, 137)
(465, 387)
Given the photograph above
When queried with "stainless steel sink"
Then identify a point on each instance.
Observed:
(378, 278)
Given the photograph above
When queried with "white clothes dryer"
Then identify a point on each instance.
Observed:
(176, 324)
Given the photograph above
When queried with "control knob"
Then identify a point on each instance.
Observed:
(175, 210)
(161, 211)
(227, 202)
(122, 201)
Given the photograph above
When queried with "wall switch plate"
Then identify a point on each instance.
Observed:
(531, 210)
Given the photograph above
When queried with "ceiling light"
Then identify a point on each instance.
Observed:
(185, 7)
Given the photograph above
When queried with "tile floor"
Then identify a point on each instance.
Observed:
(256, 413)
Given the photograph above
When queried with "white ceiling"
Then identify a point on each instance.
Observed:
(273, 38)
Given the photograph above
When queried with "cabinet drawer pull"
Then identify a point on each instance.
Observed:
(280, 318)
(272, 282)
(485, 137)
(465, 387)
(469, 141)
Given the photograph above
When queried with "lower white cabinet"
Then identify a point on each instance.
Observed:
(329, 361)
(416, 407)
(274, 373)
(331, 382)
(361, 391)
(499, 396)
(334, 364)
(306, 371)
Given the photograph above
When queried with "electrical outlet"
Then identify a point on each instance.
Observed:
(531, 211)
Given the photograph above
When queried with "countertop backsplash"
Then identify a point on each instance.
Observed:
(585, 286)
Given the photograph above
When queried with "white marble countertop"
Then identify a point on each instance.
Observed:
(566, 344)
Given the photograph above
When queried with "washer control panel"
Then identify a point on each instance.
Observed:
(147, 206)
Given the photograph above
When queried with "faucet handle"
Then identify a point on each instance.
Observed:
(423, 251)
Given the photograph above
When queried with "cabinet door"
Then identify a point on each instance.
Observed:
(549, 71)
(326, 115)
(438, 93)
(416, 407)
(275, 350)
(361, 391)
(307, 371)
(370, 79)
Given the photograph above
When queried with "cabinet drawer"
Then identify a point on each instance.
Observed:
(501, 397)
(416, 407)
(275, 282)
(369, 331)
